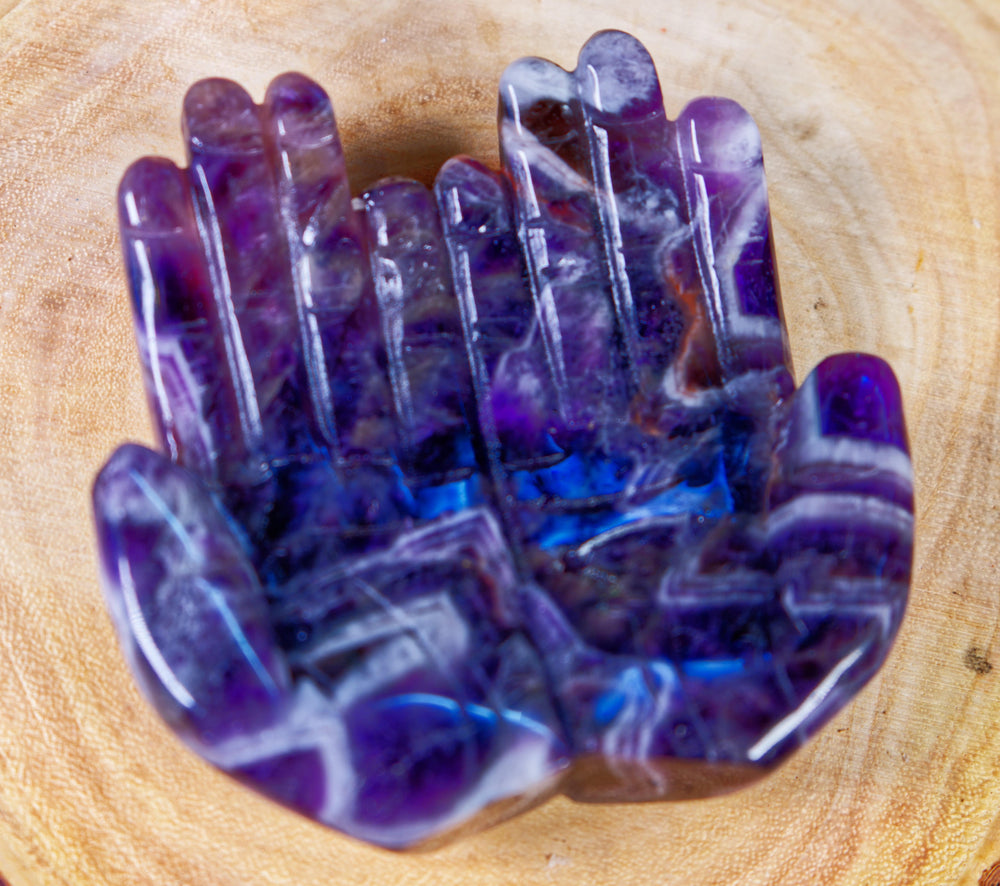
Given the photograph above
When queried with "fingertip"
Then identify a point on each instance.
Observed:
(858, 396)
(617, 77)
(395, 204)
(130, 468)
(845, 434)
(295, 92)
(455, 170)
(153, 196)
(125, 459)
(299, 108)
(121, 506)
(721, 134)
(219, 113)
(472, 199)
(532, 89)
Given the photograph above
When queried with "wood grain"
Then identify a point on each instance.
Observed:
(881, 124)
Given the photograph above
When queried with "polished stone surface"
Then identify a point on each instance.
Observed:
(471, 495)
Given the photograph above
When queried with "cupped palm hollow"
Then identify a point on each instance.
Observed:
(470, 495)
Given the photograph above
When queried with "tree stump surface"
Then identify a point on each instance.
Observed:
(881, 129)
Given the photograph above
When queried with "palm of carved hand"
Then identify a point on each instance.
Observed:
(499, 489)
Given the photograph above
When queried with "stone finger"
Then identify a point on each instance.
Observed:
(645, 228)
(342, 350)
(422, 329)
(178, 327)
(720, 150)
(235, 196)
(545, 150)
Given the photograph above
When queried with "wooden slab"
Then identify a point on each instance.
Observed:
(882, 132)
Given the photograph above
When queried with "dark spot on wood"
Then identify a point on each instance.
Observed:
(975, 660)
(819, 304)
(805, 129)
(489, 32)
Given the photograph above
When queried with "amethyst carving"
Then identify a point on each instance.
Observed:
(473, 495)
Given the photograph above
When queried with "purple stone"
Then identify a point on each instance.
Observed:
(472, 495)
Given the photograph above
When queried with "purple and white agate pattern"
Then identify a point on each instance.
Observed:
(471, 495)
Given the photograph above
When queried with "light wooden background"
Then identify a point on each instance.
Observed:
(881, 126)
